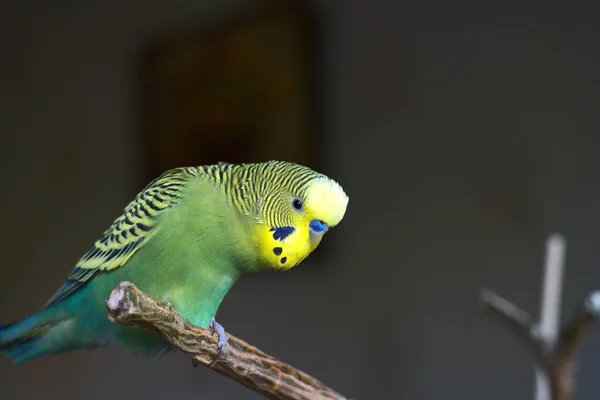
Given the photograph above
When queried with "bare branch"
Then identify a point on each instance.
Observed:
(129, 306)
(556, 359)
(517, 320)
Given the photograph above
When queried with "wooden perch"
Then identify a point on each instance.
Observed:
(127, 305)
(557, 359)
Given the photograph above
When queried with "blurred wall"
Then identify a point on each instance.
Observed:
(464, 133)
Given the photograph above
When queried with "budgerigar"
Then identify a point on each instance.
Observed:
(185, 239)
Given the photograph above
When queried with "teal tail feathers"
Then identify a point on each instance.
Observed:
(4, 327)
(24, 339)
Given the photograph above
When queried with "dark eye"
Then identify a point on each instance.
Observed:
(297, 204)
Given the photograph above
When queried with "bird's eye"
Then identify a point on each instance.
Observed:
(297, 204)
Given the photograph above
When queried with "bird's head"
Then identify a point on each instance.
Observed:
(298, 206)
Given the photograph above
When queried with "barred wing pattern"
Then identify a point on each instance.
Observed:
(129, 231)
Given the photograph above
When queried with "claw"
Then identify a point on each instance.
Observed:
(215, 326)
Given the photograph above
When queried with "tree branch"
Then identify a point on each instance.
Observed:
(127, 305)
(558, 359)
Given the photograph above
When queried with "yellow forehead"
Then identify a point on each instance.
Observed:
(326, 201)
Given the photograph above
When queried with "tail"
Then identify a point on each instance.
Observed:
(27, 338)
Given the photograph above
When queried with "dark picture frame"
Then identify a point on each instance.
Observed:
(244, 90)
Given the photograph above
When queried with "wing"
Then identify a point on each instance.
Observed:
(129, 232)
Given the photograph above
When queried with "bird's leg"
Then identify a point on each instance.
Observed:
(215, 326)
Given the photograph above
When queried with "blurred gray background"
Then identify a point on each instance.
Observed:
(464, 133)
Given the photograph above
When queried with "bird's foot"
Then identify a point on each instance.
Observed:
(215, 326)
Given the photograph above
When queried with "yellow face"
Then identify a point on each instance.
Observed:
(308, 218)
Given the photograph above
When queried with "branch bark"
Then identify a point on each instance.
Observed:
(557, 359)
(129, 306)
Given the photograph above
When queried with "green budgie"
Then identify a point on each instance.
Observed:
(185, 239)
